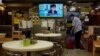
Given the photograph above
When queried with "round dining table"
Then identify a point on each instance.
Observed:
(18, 46)
(49, 36)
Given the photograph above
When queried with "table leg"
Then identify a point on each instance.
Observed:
(28, 53)
(31, 54)
(24, 53)
(35, 54)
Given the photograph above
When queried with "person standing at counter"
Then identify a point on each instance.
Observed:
(77, 28)
(16, 23)
(26, 25)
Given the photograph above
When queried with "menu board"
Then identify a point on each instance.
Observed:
(51, 23)
(48, 23)
(44, 23)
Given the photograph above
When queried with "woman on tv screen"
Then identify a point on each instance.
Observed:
(52, 10)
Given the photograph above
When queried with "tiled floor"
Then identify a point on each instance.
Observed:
(72, 52)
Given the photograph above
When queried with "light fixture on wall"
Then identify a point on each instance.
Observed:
(2, 6)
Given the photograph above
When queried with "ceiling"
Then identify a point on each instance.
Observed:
(37, 1)
(29, 3)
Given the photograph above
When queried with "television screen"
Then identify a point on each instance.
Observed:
(50, 10)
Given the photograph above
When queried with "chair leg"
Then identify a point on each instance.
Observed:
(93, 52)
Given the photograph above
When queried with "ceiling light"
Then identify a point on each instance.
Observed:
(1, 2)
(96, 8)
(99, 6)
(73, 3)
(72, 8)
(86, 19)
(2, 8)
(69, 1)
(92, 11)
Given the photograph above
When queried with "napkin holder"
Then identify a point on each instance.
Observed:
(46, 32)
(33, 41)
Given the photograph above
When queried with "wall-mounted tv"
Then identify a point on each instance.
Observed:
(51, 10)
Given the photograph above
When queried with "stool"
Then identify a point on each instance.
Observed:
(49, 53)
(13, 54)
(59, 49)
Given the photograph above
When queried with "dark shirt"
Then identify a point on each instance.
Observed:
(50, 12)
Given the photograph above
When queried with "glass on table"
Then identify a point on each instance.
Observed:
(26, 42)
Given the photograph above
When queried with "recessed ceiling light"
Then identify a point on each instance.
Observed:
(92, 11)
(74, 3)
(72, 8)
(69, 1)
(96, 8)
(99, 6)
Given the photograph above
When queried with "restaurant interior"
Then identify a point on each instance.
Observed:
(49, 34)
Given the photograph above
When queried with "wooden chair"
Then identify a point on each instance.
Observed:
(16, 35)
(96, 44)
(87, 38)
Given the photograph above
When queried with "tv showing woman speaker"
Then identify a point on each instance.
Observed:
(50, 10)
